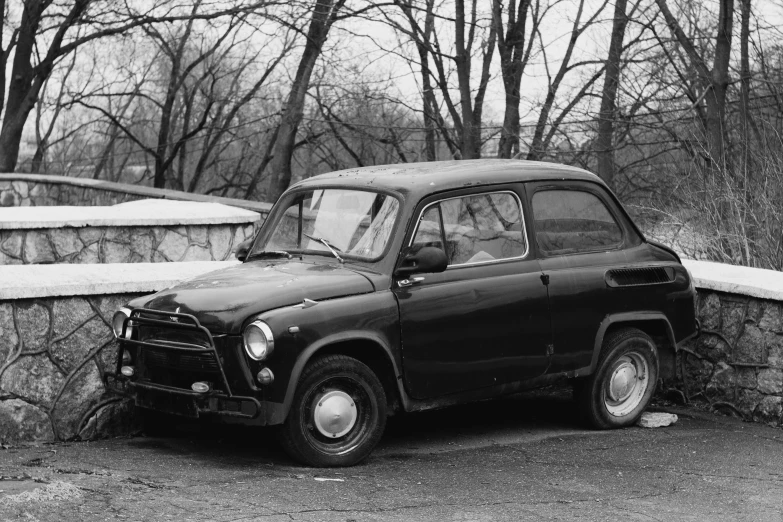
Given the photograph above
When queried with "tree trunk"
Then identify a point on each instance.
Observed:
(4, 53)
(714, 81)
(166, 110)
(512, 66)
(324, 15)
(746, 118)
(22, 94)
(716, 100)
(604, 143)
(430, 104)
(469, 144)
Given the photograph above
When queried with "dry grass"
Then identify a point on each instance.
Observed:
(55, 491)
(732, 214)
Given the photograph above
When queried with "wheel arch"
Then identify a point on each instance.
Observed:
(654, 324)
(365, 347)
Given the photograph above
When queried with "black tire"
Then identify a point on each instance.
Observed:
(337, 380)
(629, 359)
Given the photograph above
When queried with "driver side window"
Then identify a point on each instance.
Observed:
(475, 229)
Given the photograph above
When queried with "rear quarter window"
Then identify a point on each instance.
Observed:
(572, 221)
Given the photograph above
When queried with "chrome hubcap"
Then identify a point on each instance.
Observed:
(334, 413)
(622, 383)
(627, 384)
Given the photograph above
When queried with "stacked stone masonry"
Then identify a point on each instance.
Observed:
(54, 353)
(122, 244)
(31, 194)
(736, 363)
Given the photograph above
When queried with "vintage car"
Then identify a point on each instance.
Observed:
(402, 288)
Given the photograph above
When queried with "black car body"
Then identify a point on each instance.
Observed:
(547, 278)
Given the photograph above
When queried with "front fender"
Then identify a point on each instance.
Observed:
(371, 318)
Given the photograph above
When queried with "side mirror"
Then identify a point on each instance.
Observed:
(427, 259)
(243, 248)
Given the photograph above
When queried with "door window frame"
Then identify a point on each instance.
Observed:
(621, 223)
(468, 195)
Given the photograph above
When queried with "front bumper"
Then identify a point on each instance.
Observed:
(177, 401)
(219, 401)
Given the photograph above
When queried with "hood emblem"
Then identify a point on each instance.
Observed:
(176, 319)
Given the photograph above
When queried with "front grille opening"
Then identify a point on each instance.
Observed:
(174, 350)
(185, 361)
(180, 369)
(639, 276)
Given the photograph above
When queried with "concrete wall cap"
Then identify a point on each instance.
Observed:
(139, 190)
(743, 280)
(145, 212)
(31, 281)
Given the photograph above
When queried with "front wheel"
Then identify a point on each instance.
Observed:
(621, 387)
(338, 414)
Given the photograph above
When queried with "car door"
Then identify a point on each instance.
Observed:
(485, 320)
(579, 234)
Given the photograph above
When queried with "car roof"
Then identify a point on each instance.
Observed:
(428, 177)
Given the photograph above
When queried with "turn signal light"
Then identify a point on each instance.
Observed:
(200, 387)
(127, 371)
(265, 376)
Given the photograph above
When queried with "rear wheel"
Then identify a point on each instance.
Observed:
(620, 389)
(338, 414)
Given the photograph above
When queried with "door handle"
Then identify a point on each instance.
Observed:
(410, 281)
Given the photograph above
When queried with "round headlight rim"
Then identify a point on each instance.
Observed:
(128, 329)
(266, 331)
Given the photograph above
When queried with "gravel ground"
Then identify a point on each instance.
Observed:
(523, 458)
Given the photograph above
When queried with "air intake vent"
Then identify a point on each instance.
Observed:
(639, 276)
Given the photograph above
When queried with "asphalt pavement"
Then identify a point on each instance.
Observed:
(522, 458)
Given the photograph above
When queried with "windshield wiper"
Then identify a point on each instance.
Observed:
(270, 253)
(328, 245)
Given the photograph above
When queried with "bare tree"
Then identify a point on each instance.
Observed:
(604, 141)
(541, 136)
(55, 30)
(712, 82)
(325, 13)
(514, 57)
(474, 36)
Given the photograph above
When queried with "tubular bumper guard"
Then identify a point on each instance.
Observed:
(169, 398)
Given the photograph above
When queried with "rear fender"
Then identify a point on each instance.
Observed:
(650, 322)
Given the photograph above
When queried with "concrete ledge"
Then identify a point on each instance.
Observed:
(135, 190)
(145, 212)
(753, 282)
(35, 281)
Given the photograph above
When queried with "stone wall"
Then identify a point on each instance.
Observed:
(53, 355)
(124, 244)
(736, 363)
(55, 348)
(23, 190)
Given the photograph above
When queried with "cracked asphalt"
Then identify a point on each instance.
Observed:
(522, 458)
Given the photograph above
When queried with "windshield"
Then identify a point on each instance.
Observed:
(336, 222)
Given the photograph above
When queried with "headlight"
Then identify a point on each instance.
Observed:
(258, 340)
(118, 320)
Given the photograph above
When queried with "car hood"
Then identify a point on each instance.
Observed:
(224, 299)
